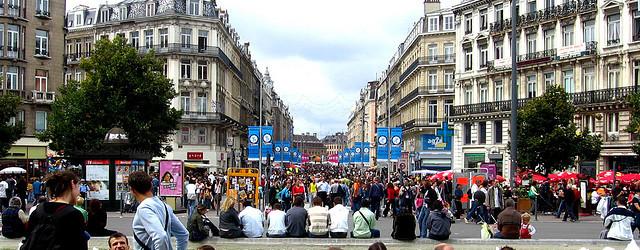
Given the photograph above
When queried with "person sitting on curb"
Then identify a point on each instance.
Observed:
(526, 229)
(404, 225)
(252, 220)
(438, 223)
(364, 222)
(195, 225)
(230, 225)
(508, 222)
(14, 220)
(618, 221)
(275, 222)
(339, 217)
(296, 219)
(319, 219)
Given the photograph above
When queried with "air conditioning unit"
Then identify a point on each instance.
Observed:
(613, 136)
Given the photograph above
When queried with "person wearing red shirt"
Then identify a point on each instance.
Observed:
(298, 190)
(391, 197)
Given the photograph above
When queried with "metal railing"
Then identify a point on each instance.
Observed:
(547, 14)
(537, 55)
(427, 60)
(431, 122)
(75, 57)
(190, 49)
(43, 13)
(426, 90)
(613, 42)
(200, 116)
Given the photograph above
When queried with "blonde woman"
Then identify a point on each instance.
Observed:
(230, 225)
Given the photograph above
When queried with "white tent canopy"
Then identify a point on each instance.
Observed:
(13, 170)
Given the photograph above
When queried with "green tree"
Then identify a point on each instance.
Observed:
(634, 124)
(9, 133)
(548, 138)
(122, 89)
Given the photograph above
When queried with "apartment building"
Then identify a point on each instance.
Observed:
(580, 45)
(31, 67)
(361, 126)
(217, 82)
(418, 86)
(335, 143)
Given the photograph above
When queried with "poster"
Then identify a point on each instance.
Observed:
(243, 184)
(123, 169)
(97, 178)
(171, 178)
(491, 170)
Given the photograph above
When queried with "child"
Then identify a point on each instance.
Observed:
(526, 229)
(419, 201)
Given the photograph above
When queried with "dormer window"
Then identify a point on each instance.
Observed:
(151, 9)
(123, 12)
(194, 7)
(104, 16)
(79, 20)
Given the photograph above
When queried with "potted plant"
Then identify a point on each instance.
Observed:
(523, 204)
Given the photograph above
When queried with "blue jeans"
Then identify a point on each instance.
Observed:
(472, 211)
(191, 206)
(560, 209)
(422, 221)
(569, 211)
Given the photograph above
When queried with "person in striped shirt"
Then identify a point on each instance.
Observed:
(318, 220)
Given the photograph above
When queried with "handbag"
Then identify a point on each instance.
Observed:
(485, 232)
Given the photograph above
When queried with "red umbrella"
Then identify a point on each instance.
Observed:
(567, 175)
(554, 177)
(629, 178)
(606, 177)
(499, 178)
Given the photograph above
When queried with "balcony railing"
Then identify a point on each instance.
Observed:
(580, 98)
(191, 49)
(43, 97)
(547, 14)
(43, 14)
(428, 60)
(41, 53)
(536, 57)
(13, 53)
(544, 57)
(75, 57)
(426, 90)
(612, 42)
(198, 116)
(431, 122)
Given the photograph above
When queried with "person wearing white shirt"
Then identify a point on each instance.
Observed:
(191, 197)
(339, 217)
(275, 222)
(252, 220)
(4, 202)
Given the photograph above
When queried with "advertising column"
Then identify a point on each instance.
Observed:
(97, 178)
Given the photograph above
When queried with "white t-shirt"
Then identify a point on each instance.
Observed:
(339, 219)
(276, 222)
(191, 191)
(3, 189)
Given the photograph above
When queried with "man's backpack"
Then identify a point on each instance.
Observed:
(44, 234)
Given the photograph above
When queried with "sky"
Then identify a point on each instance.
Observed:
(319, 53)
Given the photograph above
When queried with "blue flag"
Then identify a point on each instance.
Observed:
(396, 143)
(254, 143)
(382, 144)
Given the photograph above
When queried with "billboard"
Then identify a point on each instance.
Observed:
(171, 179)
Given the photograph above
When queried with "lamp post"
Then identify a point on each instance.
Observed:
(514, 96)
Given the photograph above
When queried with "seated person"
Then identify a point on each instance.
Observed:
(252, 220)
(230, 225)
(526, 229)
(195, 225)
(97, 220)
(364, 222)
(80, 206)
(438, 223)
(275, 222)
(318, 219)
(118, 241)
(508, 222)
(296, 219)
(404, 225)
(339, 218)
(618, 221)
(14, 220)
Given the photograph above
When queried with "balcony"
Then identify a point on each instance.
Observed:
(487, 107)
(190, 49)
(426, 90)
(41, 53)
(548, 14)
(43, 97)
(16, 11)
(613, 42)
(75, 57)
(44, 14)
(536, 57)
(12, 53)
(425, 61)
(542, 57)
(422, 123)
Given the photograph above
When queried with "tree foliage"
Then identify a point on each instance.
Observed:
(9, 133)
(122, 89)
(547, 137)
(634, 124)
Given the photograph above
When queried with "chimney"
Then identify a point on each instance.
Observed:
(315, 134)
(431, 6)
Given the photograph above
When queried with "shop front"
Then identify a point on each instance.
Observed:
(31, 158)
(436, 153)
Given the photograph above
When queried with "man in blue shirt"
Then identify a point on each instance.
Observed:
(154, 222)
(37, 190)
(156, 185)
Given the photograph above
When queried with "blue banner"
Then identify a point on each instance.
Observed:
(366, 146)
(434, 143)
(396, 143)
(382, 144)
(277, 152)
(286, 151)
(253, 153)
(353, 155)
(347, 156)
(358, 150)
(294, 156)
(340, 156)
(267, 141)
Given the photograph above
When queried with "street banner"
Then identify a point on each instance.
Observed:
(347, 156)
(396, 143)
(294, 156)
(382, 147)
(360, 152)
(305, 158)
(254, 143)
(333, 158)
(171, 178)
(366, 146)
(286, 151)
(352, 153)
(340, 157)
(277, 151)
(267, 141)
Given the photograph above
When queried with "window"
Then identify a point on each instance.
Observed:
(483, 19)
(499, 12)
(468, 59)
(589, 31)
(186, 135)
(567, 35)
(484, 93)
(497, 131)
(194, 7)
(41, 121)
(531, 6)
(123, 12)
(549, 39)
(201, 102)
(484, 56)
(202, 40)
(448, 52)
(148, 39)
(185, 101)
(482, 132)
(165, 68)
(636, 25)
(42, 43)
(202, 70)
(18, 118)
(433, 24)
(433, 111)
(41, 80)
(531, 86)
(78, 76)
(549, 79)
(164, 38)
(185, 69)
(79, 17)
(448, 108)
(498, 92)
(433, 81)
(613, 77)
(151, 9)
(134, 36)
(589, 123)
(613, 29)
(569, 85)
(448, 79)
(588, 83)
(13, 40)
(1, 39)
(467, 133)
(12, 78)
(468, 23)
(433, 53)
(468, 95)
(42, 7)
(531, 43)
(613, 122)
(185, 37)
(448, 22)
(549, 3)
(202, 135)
(498, 54)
